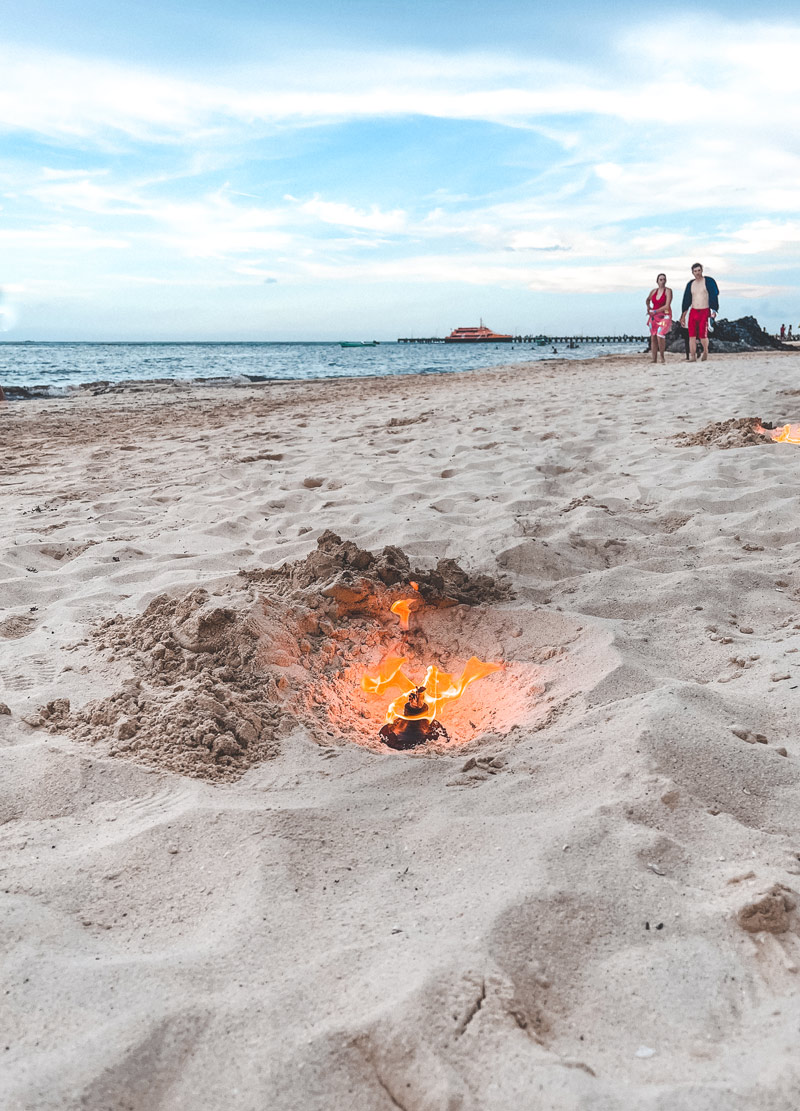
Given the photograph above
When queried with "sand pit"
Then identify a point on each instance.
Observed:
(219, 679)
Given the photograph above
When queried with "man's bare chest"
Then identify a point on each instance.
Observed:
(700, 294)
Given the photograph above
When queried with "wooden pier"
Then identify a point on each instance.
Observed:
(537, 341)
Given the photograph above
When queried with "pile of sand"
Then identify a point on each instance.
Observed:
(196, 704)
(736, 432)
(360, 581)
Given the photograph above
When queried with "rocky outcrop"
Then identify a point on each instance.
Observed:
(730, 336)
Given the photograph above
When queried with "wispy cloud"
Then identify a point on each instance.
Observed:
(672, 140)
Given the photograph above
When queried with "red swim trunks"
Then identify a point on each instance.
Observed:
(698, 323)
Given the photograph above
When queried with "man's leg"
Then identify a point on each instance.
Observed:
(703, 333)
(694, 331)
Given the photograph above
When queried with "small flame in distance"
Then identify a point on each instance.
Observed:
(786, 434)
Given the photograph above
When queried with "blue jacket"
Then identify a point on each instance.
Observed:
(713, 295)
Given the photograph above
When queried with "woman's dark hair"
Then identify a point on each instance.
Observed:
(661, 275)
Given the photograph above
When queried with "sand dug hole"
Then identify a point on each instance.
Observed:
(217, 679)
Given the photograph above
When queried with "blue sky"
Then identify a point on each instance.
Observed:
(264, 171)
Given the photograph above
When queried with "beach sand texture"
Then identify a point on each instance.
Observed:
(586, 900)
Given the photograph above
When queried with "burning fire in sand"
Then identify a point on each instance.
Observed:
(412, 718)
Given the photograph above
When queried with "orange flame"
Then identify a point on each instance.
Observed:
(788, 434)
(403, 610)
(405, 607)
(440, 688)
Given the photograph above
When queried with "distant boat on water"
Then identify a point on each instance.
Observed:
(482, 334)
(362, 343)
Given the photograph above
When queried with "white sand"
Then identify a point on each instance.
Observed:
(344, 929)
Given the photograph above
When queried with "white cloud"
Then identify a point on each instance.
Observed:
(685, 139)
(59, 237)
(678, 79)
(344, 215)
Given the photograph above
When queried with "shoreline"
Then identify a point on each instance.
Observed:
(43, 391)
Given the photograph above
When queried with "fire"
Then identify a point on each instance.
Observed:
(405, 606)
(788, 434)
(418, 704)
(412, 718)
(403, 610)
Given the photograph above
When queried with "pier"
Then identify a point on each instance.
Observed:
(540, 341)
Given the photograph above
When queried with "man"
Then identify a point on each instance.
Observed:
(701, 299)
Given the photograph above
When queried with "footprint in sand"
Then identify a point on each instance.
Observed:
(14, 628)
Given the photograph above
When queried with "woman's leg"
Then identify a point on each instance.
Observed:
(653, 348)
(662, 347)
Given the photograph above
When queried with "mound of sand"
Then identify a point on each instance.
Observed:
(357, 579)
(736, 432)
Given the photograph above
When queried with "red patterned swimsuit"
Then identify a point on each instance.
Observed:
(659, 319)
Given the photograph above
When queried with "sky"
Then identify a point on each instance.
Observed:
(250, 170)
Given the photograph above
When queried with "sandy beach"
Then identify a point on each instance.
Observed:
(220, 890)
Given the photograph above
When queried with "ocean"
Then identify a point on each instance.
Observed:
(55, 369)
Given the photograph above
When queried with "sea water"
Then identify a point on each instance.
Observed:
(55, 367)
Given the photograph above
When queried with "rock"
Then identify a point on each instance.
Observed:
(729, 336)
(4, 709)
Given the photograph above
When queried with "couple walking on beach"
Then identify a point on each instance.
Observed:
(700, 300)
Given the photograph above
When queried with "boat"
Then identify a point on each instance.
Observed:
(362, 343)
(482, 334)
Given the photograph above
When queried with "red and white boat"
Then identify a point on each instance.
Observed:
(481, 334)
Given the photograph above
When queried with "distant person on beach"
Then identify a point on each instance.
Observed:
(659, 315)
(789, 333)
(783, 331)
(701, 301)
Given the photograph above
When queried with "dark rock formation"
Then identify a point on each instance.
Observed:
(729, 336)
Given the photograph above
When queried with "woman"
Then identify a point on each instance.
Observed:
(659, 317)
